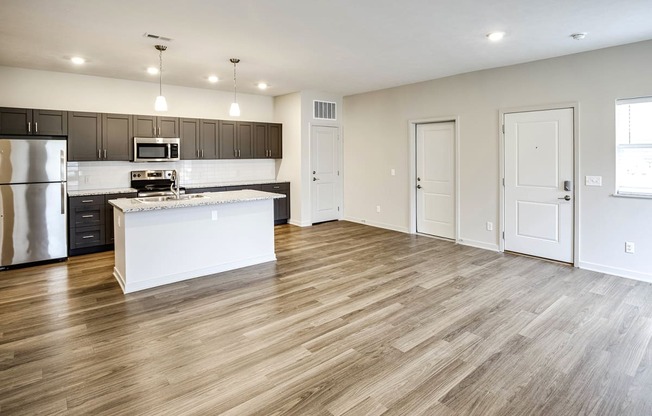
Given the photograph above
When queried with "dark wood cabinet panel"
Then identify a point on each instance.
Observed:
(108, 209)
(15, 121)
(228, 140)
(275, 140)
(261, 150)
(25, 121)
(242, 187)
(202, 190)
(144, 126)
(190, 139)
(167, 126)
(281, 205)
(245, 139)
(84, 136)
(209, 135)
(50, 122)
(117, 133)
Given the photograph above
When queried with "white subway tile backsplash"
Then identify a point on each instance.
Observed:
(104, 175)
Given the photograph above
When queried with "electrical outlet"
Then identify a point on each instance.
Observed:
(392, 172)
(629, 247)
(214, 215)
(594, 181)
(377, 208)
(490, 226)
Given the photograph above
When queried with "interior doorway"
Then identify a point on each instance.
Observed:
(325, 185)
(539, 187)
(435, 176)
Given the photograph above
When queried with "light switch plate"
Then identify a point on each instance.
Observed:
(594, 181)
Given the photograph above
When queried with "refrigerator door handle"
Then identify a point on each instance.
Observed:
(63, 198)
(62, 161)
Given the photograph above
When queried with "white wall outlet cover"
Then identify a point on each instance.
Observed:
(630, 247)
(377, 208)
(490, 226)
(393, 172)
(593, 180)
(214, 215)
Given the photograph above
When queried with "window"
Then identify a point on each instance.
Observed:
(634, 147)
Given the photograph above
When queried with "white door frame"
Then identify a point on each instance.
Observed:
(575, 106)
(340, 190)
(412, 169)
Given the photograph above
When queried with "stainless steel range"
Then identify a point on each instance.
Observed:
(154, 182)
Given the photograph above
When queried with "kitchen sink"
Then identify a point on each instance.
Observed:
(186, 197)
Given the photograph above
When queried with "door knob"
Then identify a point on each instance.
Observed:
(314, 171)
(418, 179)
(566, 198)
(418, 186)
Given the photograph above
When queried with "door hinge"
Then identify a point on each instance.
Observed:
(503, 235)
(503, 129)
(503, 181)
(338, 208)
(338, 173)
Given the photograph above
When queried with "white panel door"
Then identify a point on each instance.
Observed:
(324, 164)
(538, 161)
(436, 179)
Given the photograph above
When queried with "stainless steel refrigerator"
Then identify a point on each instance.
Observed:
(32, 200)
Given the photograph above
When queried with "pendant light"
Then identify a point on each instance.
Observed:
(161, 103)
(234, 111)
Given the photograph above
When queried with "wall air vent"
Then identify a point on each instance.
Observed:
(324, 110)
(153, 36)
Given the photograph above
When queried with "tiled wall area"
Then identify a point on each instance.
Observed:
(106, 175)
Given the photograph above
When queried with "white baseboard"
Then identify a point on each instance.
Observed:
(299, 223)
(616, 271)
(478, 244)
(377, 224)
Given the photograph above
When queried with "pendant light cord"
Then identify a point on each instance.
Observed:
(235, 85)
(160, 72)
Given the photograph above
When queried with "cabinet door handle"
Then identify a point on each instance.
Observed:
(87, 201)
(197, 152)
(104, 153)
(88, 236)
(99, 153)
(235, 153)
(202, 153)
(238, 152)
(87, 216)
(36, 127)
(154, 131)
(29, 126)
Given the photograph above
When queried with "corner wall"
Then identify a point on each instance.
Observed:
(376, 128)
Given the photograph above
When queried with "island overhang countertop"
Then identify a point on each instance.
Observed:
(127, 205)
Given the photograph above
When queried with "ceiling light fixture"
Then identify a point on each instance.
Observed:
(234, 111)
(213, 79)
(578, 36)
(262, 85)
(152, 70)
(161, 103)
(77, 60)
(495, 36)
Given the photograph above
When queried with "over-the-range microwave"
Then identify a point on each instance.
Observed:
(156, 149)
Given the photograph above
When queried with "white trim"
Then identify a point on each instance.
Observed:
(299, 223)
(412, 176)
(378, 224)
(575, 106)
(478, 244)
(615, 271)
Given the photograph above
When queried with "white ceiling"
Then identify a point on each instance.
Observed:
(337, 46)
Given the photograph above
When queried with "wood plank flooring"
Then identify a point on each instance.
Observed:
(351, 320)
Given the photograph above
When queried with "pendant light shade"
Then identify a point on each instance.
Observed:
(161, 104)
(234, 111)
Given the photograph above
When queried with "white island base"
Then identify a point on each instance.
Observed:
(175, 242)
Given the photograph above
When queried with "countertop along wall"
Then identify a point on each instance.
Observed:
(376, 140)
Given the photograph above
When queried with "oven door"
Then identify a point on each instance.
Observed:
(151, 152)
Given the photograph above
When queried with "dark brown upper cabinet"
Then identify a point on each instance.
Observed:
(236, 140)
(95, 136)
(155, 126)
(268, 141)
(190, 141)
(25, 121)
(209, 134)
(84, 136)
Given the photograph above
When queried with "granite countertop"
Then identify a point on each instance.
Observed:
(209, 198)
(89, 192)
(231, 183)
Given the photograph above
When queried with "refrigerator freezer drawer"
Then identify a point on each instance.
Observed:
(32, 222)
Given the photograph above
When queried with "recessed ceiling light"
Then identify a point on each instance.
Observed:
(495, 36)
(262, 85)
(213, 79)
(152, 70)
(578, 36)
(77, 60)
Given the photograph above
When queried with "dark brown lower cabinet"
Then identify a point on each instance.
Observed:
(90, 223)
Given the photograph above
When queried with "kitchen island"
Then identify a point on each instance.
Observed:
(158, 242)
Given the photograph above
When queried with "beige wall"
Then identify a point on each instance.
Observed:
(376, 140)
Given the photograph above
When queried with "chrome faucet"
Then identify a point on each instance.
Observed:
(174, 187)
